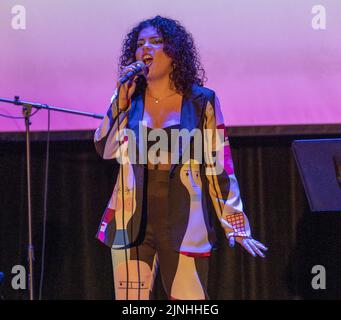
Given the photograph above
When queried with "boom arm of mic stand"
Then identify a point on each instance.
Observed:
(17, 102)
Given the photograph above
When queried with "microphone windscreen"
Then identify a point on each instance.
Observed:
(143, 67)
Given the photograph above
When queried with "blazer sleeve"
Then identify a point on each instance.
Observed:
(111, 130)
(222, 183)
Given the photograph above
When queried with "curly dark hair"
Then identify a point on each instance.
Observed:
(178, 45)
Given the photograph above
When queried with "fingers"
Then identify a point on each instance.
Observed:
(255, 248)
(245, 243)
(125, 86)
(251, 245)
(260, 245)
(127, 69)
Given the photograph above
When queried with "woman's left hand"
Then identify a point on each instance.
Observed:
(251, 245)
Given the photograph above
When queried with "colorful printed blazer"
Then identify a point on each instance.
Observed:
(196, 189)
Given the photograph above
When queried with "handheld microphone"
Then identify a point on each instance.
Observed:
(140, 68)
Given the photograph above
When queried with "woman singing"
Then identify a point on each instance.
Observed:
(167, 133)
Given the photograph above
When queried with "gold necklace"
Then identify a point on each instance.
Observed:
(157, 100)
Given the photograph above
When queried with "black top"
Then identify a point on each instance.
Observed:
(168, 146)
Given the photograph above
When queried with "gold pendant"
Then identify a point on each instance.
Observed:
(157, 101)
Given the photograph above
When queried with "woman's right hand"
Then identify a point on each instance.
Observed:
(127, 89)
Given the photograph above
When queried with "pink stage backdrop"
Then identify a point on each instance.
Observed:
(275, 62)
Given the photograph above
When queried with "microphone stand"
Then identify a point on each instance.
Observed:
(26, 110)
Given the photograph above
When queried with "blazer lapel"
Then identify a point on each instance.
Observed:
(192, 109)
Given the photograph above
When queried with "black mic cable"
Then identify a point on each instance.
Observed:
(41, 282)
(122, 186)
(140, 67)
